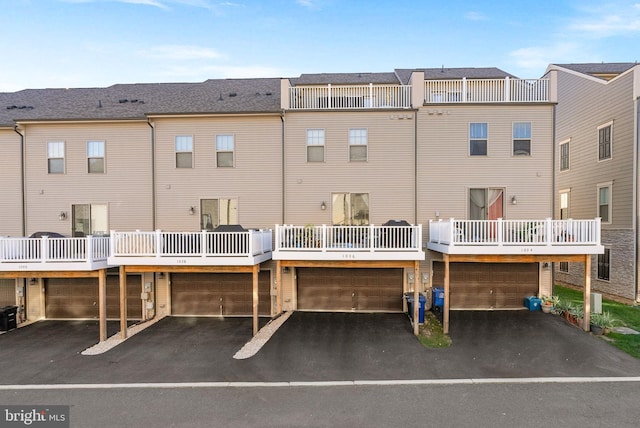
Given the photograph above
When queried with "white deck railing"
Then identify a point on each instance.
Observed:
(348, 238)
(505, 90)
(190, 244)
(327, 97)
(515, 232)
(54, 250)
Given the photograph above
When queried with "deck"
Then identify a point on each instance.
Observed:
(348, 243)
(53, 254)
(204, 248)
(515, 237)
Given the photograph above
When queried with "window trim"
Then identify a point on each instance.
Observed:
(103, 157)
(309, 138)
(232, 151)
(568, 157)
(608, 185)
(514, 139)
(176, 151)
(485, 139)
(355, 144)
(605, 125)
(64, 157)
(568, 193)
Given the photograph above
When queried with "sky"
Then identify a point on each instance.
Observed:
(97, 43)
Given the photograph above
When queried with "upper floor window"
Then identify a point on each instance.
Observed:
(55, 157)
(522, 139)
(95, 157)
(478, 133)
(564, 156)
(184, 151)
(604, 141)
(218, 211)
(564, 204)
(224, 150)
(315, 145)
(357, 145)
(604, 202)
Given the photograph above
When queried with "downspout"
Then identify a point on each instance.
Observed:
(415, 168)
(22, 182)
(153, 175)
(553, 186)
(283, 168)
(636, 132)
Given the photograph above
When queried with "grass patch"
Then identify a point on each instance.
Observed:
(431, 334)
(626, 316)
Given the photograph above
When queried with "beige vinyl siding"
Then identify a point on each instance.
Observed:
(125, 186)
(255, 179)
(10, 177)
(583, 106)
(446, 171)
(387, 175)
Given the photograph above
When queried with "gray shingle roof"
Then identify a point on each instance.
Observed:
(345, 79)
(453, 73)
(135, 101)
(599, 68)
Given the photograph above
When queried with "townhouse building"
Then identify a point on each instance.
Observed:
(325, 192)
(597, 167)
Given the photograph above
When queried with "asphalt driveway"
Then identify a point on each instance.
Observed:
(313, 347)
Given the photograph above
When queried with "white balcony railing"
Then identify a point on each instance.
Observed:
(328, 97)
(203, 244)
(348, 238)
(531, 235)
(505, 90)
(49, 250)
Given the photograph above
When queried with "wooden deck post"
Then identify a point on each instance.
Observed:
(587, 293)
(278, 288)
(102, 303)
(256, 272)
(123, 302)
(445, 309)
(416, 299)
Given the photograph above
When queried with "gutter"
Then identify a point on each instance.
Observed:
(283, 168)
(153, 175)
(22, 182)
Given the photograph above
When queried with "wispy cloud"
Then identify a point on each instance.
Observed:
(536, 58)
(309, 4)
(607, 20)
(219, 72)
(167, 4)
(475, 16)
(181, 53)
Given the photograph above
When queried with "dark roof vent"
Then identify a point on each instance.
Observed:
(233, 94)
(123, 100)
(268, 94)
(99, 103)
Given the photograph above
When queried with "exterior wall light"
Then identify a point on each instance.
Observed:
(514, 201)
(323, 206)
(62, 216)
(192, 210)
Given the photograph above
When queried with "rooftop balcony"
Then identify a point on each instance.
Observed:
(515, 237)
(507, 90)
(348, 242)
(54, 254)
(329, 97)
(241, 248)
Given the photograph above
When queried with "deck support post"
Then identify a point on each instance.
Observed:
(123, 302)
(278, 287)
(102, 303)
(587, 293)
(256, 272)
(416, 299)
(445, 309)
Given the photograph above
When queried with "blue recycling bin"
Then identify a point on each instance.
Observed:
(438, 297)
(423, 302)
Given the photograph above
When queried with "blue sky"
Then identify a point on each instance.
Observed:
(92, 43)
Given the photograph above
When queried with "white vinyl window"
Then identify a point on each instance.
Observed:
(315, 145)
(55, 157)
(564, 156)
(564, 204)
(358, 141)
(90, 219)
(224, 150)
(95, 157)
(522, 139)
(478, 135)
(605, 140)
(604, 202)
(184, 151)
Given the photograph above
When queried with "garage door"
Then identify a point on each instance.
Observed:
(78, 297)
(7, 292)
(350, 289)
(488, 285)
(219, 294)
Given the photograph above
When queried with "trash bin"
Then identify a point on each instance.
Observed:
(8, 318)
(438, 298)
(423, 301)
